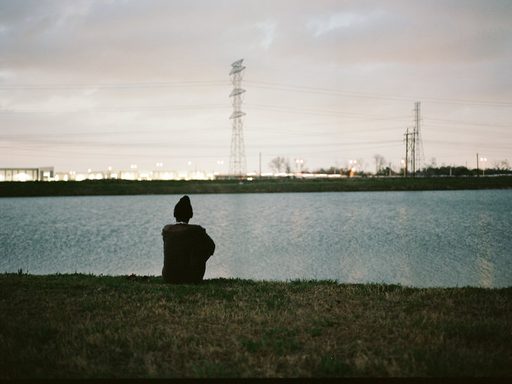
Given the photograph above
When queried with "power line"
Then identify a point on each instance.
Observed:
(330, 91)
(479, 144)
(128, 85)
(163, 108)
(255, 84)
(478, 124)
(163, 144)
(110, 154)
(321, 112)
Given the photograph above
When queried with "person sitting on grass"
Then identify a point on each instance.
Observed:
(187, 247)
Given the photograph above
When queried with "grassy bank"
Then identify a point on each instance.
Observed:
(125, 187)
(80, 326)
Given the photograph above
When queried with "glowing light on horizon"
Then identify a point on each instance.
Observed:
(22, 177)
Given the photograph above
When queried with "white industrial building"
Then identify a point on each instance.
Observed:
(26, 174)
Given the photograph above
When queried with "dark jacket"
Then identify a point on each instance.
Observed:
(186, 249)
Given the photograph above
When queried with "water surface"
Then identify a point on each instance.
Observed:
(430, 238)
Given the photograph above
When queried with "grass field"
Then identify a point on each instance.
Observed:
(83, 326)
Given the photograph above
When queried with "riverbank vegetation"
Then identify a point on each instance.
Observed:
(84, 326)
(126, 187)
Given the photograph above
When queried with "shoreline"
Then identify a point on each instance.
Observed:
(359, 184)
(158, 277)
(87, 326)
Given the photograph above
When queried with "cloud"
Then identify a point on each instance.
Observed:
(268, 30)
(446, 49)
(340, 20)
(129, 37)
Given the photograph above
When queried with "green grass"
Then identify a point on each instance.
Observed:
(125, 187)
(84, 326)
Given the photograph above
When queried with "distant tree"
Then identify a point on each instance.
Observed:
(380, 163)
(332, 170)
(280, 165)
(391, 172)
(387, 171)
(449, 170)
(502, 165)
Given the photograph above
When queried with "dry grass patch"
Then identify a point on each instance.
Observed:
(80, 326)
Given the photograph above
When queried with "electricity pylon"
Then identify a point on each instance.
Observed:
(237, 162)
(414, 145)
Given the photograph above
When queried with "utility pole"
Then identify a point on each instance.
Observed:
(406, 151)
(410, 165)
(413, 152)
(260, 165)
(237, 161)
(477, 170)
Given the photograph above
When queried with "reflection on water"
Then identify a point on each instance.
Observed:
(431, 238)
(485, 247)
(486, 269)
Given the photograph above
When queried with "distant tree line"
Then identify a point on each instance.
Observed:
(463, 171)
(499, 168)
(427, 171)
(382, 168)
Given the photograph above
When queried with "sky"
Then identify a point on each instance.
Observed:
(92, 84)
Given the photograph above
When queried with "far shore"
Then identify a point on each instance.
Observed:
(264, 185)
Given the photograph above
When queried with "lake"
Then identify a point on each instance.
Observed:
(421, 239)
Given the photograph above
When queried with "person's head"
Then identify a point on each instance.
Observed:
(183, 210)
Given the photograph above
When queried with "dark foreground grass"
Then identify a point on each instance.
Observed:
(81, 326)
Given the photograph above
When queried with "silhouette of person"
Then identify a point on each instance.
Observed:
(187, 247)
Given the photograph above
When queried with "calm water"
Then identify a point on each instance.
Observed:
(431, 238)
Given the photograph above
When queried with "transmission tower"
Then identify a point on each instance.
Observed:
(237, 162)
(414, 144)
(418, 143)
(409, 153)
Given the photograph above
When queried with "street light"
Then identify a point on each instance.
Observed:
(299, 163)
(220, 163)
(483, 160)
(352, 167)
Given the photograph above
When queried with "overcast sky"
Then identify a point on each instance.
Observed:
(92, 84)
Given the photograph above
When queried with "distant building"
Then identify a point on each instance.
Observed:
(48, 174)
(26, 174)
